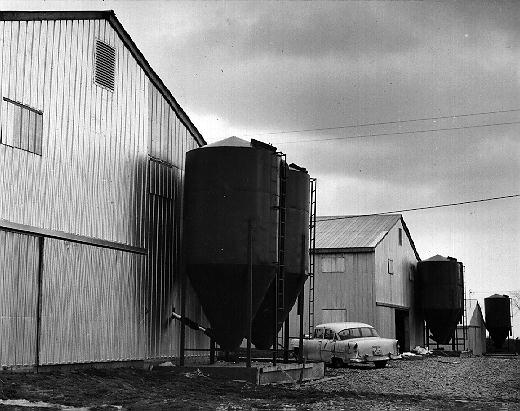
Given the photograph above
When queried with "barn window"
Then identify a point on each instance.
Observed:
(333, 264)
(390, 266)
(400, 232)
(105, 65)
(23, 127)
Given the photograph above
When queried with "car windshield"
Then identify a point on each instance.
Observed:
(349, 333)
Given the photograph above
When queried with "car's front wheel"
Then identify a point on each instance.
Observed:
(380, 364)
(337, 362)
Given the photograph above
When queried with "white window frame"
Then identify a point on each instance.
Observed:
(333, 263)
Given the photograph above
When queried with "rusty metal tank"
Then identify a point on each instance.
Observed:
(440, 295)
(498, 317)
(296, 259)
(229, 186)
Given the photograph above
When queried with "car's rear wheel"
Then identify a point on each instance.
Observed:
(337, 363)
(380, 364)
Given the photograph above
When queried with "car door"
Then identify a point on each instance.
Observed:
(311, 348)
(327, 346)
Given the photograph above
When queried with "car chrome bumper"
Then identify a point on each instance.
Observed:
(371, 358)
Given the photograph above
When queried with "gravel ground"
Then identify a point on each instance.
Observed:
(481, 382)
(433, 383)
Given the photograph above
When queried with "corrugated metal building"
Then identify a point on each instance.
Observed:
(364, 271)
(92, 149)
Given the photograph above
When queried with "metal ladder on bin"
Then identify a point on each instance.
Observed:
(280, 272)
(464, 320)
(312, 248)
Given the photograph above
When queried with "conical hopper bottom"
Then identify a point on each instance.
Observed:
(222, 291)
(442, 323)
(498, 335)
(263, 324)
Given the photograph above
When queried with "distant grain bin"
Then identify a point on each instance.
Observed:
(295, 259)
(441, 295)
(230, 186)
(498, 317)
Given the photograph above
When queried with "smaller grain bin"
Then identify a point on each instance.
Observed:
(296, 258)
(231, 192)
(440, 295)
(498, 317)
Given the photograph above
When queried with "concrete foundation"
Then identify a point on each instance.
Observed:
(259, 373)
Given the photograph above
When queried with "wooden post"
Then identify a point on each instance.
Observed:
(41, 244)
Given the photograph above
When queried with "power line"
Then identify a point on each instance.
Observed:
(398, 133)
(482, 200)
(381, 123)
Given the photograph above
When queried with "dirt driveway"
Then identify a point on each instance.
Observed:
(432, 383)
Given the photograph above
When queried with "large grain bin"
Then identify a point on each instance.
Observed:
(440, 295)
(295, 260)
(230, 186)
(498, 317)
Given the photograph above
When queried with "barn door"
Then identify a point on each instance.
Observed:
(19, 266)
(163, 251)
(402, 329)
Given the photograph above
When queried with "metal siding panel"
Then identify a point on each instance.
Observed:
(164, 251)
(24, 129)
(39, 69)
(81, 183)
(90, 178)
(13, 54)
(18, 304)
(2, 42)
(397, 288)
(19, 60)
(26, 66)
(31, 134)
(16, 134)
(385, 322)
(90, 304)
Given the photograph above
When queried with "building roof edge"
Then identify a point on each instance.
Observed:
(110, 16)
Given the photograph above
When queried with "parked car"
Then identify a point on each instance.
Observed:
(339, 344)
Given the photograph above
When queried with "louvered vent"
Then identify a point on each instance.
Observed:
(105, 65)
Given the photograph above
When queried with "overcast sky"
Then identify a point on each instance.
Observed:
(249, 69)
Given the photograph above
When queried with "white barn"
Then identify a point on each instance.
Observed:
(364, 271)
(92, 148)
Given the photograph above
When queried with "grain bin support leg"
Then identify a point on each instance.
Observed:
(286, 341)
(249, 291)
(300, 314)
(212, 351)
(300, 299)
